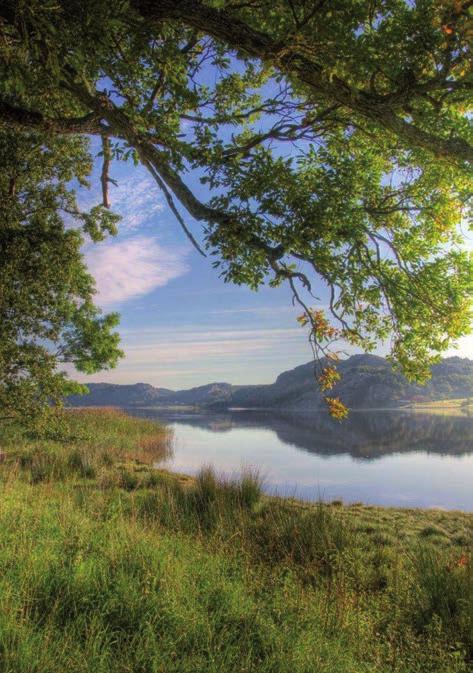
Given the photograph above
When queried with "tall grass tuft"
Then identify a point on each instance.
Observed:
(250, 488)
(313, 539)
(443, 590)
(209, 503)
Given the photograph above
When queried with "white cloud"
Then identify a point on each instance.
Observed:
(194, 333)
(187, 356)
(257, 310)
(136, 198)
(221, 346)
(131, 268)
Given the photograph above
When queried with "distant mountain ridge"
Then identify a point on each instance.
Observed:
(368, 382)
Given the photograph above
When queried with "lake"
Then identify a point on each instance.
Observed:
(386, 458)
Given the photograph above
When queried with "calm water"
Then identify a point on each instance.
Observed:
(388, 458)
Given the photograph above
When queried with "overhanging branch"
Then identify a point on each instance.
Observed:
(104, 178)
(23, 118)
(121, 126)
(387, 110)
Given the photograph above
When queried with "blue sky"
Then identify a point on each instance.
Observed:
(181, 325)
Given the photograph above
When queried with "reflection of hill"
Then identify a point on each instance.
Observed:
(363, 435)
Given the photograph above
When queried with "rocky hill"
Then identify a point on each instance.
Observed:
(368, 382)
(115, 395)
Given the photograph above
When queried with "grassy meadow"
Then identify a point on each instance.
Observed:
(107, 564)
(458, 406)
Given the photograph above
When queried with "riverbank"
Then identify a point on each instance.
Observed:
(107, 564)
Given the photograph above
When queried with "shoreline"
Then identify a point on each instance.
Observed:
(188, 480)
(148, 569)
(457, 412)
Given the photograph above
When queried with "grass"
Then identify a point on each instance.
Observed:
(107, 564)
(459, 406)
(89, 444)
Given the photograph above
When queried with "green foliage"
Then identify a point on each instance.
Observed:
(47, 317)
(333, 142)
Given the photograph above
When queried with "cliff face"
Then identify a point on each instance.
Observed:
(368, 382)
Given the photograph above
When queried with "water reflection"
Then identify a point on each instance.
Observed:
(365, 436)
(388, 458)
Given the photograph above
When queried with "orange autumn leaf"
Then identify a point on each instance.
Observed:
(447, 30)
(336, 408)
(328, 378)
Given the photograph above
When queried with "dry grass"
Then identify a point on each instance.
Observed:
(85, 443)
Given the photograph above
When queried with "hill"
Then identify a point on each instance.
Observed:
(368, 382)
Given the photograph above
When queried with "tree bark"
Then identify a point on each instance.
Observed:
(22, 118)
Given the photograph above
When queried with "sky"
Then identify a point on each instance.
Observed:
(181, 325)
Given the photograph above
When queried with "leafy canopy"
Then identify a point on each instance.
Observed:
(46, 312)
(332, 140)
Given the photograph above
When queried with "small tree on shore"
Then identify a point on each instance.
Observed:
(47, 316)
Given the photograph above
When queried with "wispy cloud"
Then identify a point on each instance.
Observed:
(136, 198)
(131, 268)
(256, 310)
(220, 346)
(186, 356)
(196, 333)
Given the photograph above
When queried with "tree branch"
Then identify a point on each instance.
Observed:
(386, 110)
(172, 206)
(104, 178)
(23, 118)
(121, 126)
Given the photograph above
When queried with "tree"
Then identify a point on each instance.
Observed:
(47, 317)
(332, 140)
